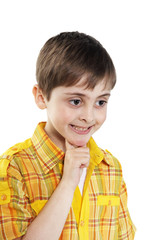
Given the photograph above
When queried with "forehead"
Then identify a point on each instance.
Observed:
(80, 88)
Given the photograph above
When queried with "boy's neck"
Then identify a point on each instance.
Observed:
(58, 140)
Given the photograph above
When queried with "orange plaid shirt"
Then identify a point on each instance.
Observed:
(30, 172)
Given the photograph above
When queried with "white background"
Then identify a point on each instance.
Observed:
(130, 31)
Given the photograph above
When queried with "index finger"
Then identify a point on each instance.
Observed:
(68, 145)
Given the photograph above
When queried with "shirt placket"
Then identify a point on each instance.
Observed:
(84, 214)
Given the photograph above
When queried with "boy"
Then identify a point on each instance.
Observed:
(59, 184)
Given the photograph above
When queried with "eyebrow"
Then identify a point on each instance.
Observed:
(83, 95)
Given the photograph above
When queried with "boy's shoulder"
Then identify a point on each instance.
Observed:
(17, 148)
(6, 159)
(10, 154)
(111, 159)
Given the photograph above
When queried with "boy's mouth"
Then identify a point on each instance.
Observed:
(80, 130)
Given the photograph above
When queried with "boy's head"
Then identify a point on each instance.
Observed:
(75, 75)
(67, 57)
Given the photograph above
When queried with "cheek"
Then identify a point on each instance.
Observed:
(65, 116)
(101, 117)
(102, 120)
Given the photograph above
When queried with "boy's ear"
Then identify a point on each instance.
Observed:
(39, 97)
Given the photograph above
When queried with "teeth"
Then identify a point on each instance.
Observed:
(80, 128)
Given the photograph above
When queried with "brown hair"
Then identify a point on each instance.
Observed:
(65, 58)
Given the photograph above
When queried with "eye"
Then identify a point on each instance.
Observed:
(101, 103)
(75, 102)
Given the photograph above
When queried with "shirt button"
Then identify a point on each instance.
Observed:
(82, 223)
(3, 197)
(109, 202)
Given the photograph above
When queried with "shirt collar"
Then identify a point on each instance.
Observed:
(98, 155)
(48, 153)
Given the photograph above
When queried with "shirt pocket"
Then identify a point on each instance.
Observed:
(108, 200)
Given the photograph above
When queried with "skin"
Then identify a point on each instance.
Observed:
(74, 114)
(74, 106)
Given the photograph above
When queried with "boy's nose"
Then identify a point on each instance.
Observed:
(87, 115)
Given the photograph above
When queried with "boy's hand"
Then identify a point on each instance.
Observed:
(75, 160)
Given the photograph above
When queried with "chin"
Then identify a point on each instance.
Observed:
(80, 143)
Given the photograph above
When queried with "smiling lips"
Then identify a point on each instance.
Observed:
(80, 130)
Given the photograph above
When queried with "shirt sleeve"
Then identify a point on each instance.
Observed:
(15, 211)
(126, 227)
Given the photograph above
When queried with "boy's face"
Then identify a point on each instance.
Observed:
(75, 113)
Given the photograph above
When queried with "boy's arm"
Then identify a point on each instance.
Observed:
(50, 221)
(126, 226)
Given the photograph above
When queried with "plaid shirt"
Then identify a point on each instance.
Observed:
(30, 172)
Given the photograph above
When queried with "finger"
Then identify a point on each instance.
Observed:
(83, 150)
(84, 162)
(68, 145)
(84, 165)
